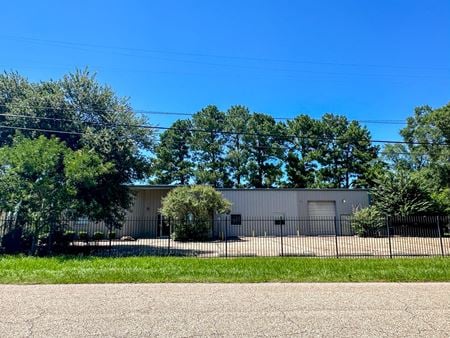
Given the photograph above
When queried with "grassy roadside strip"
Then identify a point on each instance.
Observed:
(32, 270)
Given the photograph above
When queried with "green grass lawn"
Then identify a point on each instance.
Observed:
(33, 270)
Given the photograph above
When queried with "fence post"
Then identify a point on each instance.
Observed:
(281, 233)
(440, 236)
(389, 235)
(110, 240)
(226, 236)
(336, 236)
(168, 237)
(51, 234)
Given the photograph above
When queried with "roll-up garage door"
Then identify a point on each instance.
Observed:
(322, 215)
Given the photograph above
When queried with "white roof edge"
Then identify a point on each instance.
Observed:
(168, 187)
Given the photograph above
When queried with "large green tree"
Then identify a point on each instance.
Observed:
(302, 142)
(93, 117)
(345, 152)
(427, 134)
(40, 179)
(208, 146)
(173, 164)
(264, 140)
(236, 124)
(426, 152)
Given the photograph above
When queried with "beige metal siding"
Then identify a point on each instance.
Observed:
(262, 203)
(265, 204)
(147, 203)
(346, 200)
(143, 214)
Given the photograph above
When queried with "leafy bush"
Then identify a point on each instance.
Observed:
(12, 241)
(98, 235)
(402, 194)
(367, 222)
(26, 239)
(442, 200)
(112, 235)
(192, 209)
(187, 230)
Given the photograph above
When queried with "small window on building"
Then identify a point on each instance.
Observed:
(279, 218)
(236, 219)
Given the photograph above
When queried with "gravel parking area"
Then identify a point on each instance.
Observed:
(314, 246)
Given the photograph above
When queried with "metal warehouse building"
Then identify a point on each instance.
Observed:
(261, 211)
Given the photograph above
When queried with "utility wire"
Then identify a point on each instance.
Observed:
(85, 47)
(281, 147)
(153, 112)
(42, 130)
(218, 131)
(144, 112)
(70, 44)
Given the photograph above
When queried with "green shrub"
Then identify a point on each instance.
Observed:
(12, 241)
(185, 231)
(83, 236)
(191, 210)
(442, 200)
(368, 222)
(112, 235)
(98, 235)
(401, 193)
(26, 239)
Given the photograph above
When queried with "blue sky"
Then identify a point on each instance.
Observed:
(369, 60)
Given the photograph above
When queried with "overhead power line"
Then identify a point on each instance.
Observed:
(216, 131)
(120, 51)
(42, 130)
(53, 131)
(71, 44)
(166, 113)
(144, 112)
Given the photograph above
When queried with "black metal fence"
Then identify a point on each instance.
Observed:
(231, 237)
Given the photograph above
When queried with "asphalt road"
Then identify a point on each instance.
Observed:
(245, 310)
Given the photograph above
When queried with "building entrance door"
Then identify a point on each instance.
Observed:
(163, 226)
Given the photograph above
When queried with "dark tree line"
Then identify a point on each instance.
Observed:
(238, 148)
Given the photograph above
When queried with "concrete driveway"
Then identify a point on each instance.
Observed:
(244, 310)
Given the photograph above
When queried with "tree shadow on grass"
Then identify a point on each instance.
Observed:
(130, 249)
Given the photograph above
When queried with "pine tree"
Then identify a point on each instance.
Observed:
(264, 141)
(236, 120)
(208, 146)
(173, 163)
